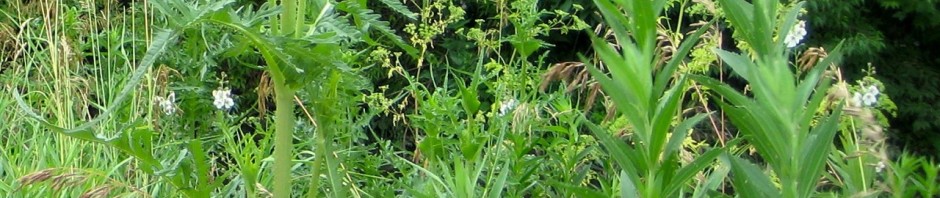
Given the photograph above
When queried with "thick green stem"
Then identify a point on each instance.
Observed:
(289, 18)
(283, 141)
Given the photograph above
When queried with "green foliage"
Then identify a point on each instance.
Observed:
(443, 99)
(861, 38)
(912, 175)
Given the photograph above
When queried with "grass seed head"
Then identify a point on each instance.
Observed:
(99, 192)
(36, 177)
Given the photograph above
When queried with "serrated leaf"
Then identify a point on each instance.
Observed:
(400, 8)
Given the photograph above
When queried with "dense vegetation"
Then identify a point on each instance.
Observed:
(477, 98)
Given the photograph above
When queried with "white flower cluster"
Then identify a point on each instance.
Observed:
(796, 34)
(868, 97)
(167, 103)
(507, 106)
(222, 98)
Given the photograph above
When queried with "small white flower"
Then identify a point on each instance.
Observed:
(796, 34)
(167, 104)
(507, 106)
(869, 99)
(879, 167)
(873, 90)
(222, 99)
(856, 100)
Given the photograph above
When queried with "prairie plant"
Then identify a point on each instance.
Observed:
(650, 167)
(779, 119)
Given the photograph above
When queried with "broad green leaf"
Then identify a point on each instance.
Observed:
(741, 65)
(625, 100)
(644, 20)
(806, 88)
(627, 186)
(628, 79)
(462, 184)
(199, 160)
(805, 121)
(770, 148)
(748, 179)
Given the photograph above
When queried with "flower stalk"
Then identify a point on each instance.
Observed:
(283, 143)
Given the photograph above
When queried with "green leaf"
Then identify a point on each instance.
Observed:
(665, 112)
(741, 15)
(644, 31)
(397, 6)
(727, 92)
(471, 102)
(526, 46)
(612, 15)
(714, 180)
(681, 132)
(500, 183)
(627, 186)
(625, 100)
(815, 152)
(201, 163)
(772, 145)
(740, 64)
(687, 172)
(748, 179)
(367, 19)
(625, 156)
(763, 27)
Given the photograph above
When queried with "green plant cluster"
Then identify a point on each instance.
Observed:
(446, 98)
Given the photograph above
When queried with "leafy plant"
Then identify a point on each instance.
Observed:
(779, 119)
(650, 167)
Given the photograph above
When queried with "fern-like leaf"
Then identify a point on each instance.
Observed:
(400, 8)
(367, 19)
